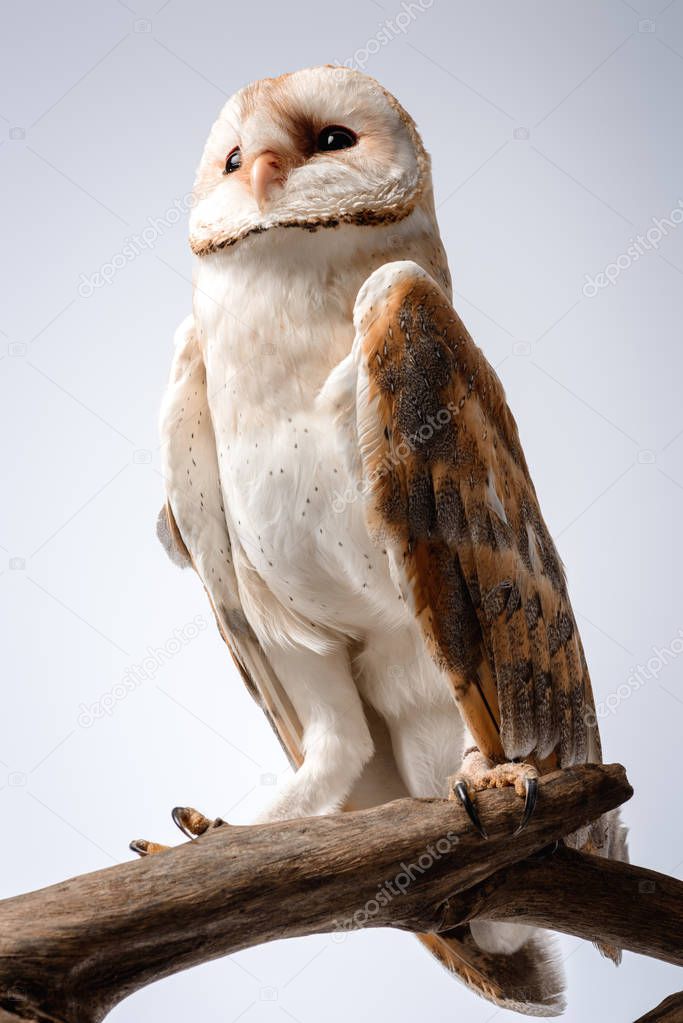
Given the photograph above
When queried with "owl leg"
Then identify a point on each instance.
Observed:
(336, 740)
(191, 822)
(478, 773)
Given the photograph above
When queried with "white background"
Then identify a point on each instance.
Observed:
(104, 112)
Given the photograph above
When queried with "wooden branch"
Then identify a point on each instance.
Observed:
(71, 952)
(585, 896)
(668, 1011)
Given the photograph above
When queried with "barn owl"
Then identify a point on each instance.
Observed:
(345, 476)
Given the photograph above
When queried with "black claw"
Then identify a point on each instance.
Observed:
(531, 785)
(463, 795)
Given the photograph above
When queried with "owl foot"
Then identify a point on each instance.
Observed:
(191, 822)
(144, 848)
(478, 773)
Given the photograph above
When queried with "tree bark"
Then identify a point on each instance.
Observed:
(71, 952)
(668, 1011)
(603, 892)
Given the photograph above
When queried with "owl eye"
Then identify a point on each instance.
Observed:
(234, 160)
(336, 137)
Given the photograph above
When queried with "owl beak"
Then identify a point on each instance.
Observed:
(266, 172)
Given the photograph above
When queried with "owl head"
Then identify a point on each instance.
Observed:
(310, 150)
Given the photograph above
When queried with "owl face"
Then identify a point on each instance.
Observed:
(314, 149)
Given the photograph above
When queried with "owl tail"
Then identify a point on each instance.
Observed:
(529, 981)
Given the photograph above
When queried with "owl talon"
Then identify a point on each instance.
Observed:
(460, 790)
(142, 847)
(531, 786)
(191, 822)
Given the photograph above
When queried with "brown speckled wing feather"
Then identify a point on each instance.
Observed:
(450, 493)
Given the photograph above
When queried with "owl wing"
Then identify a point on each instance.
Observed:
(193, 528)
(449, 492)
